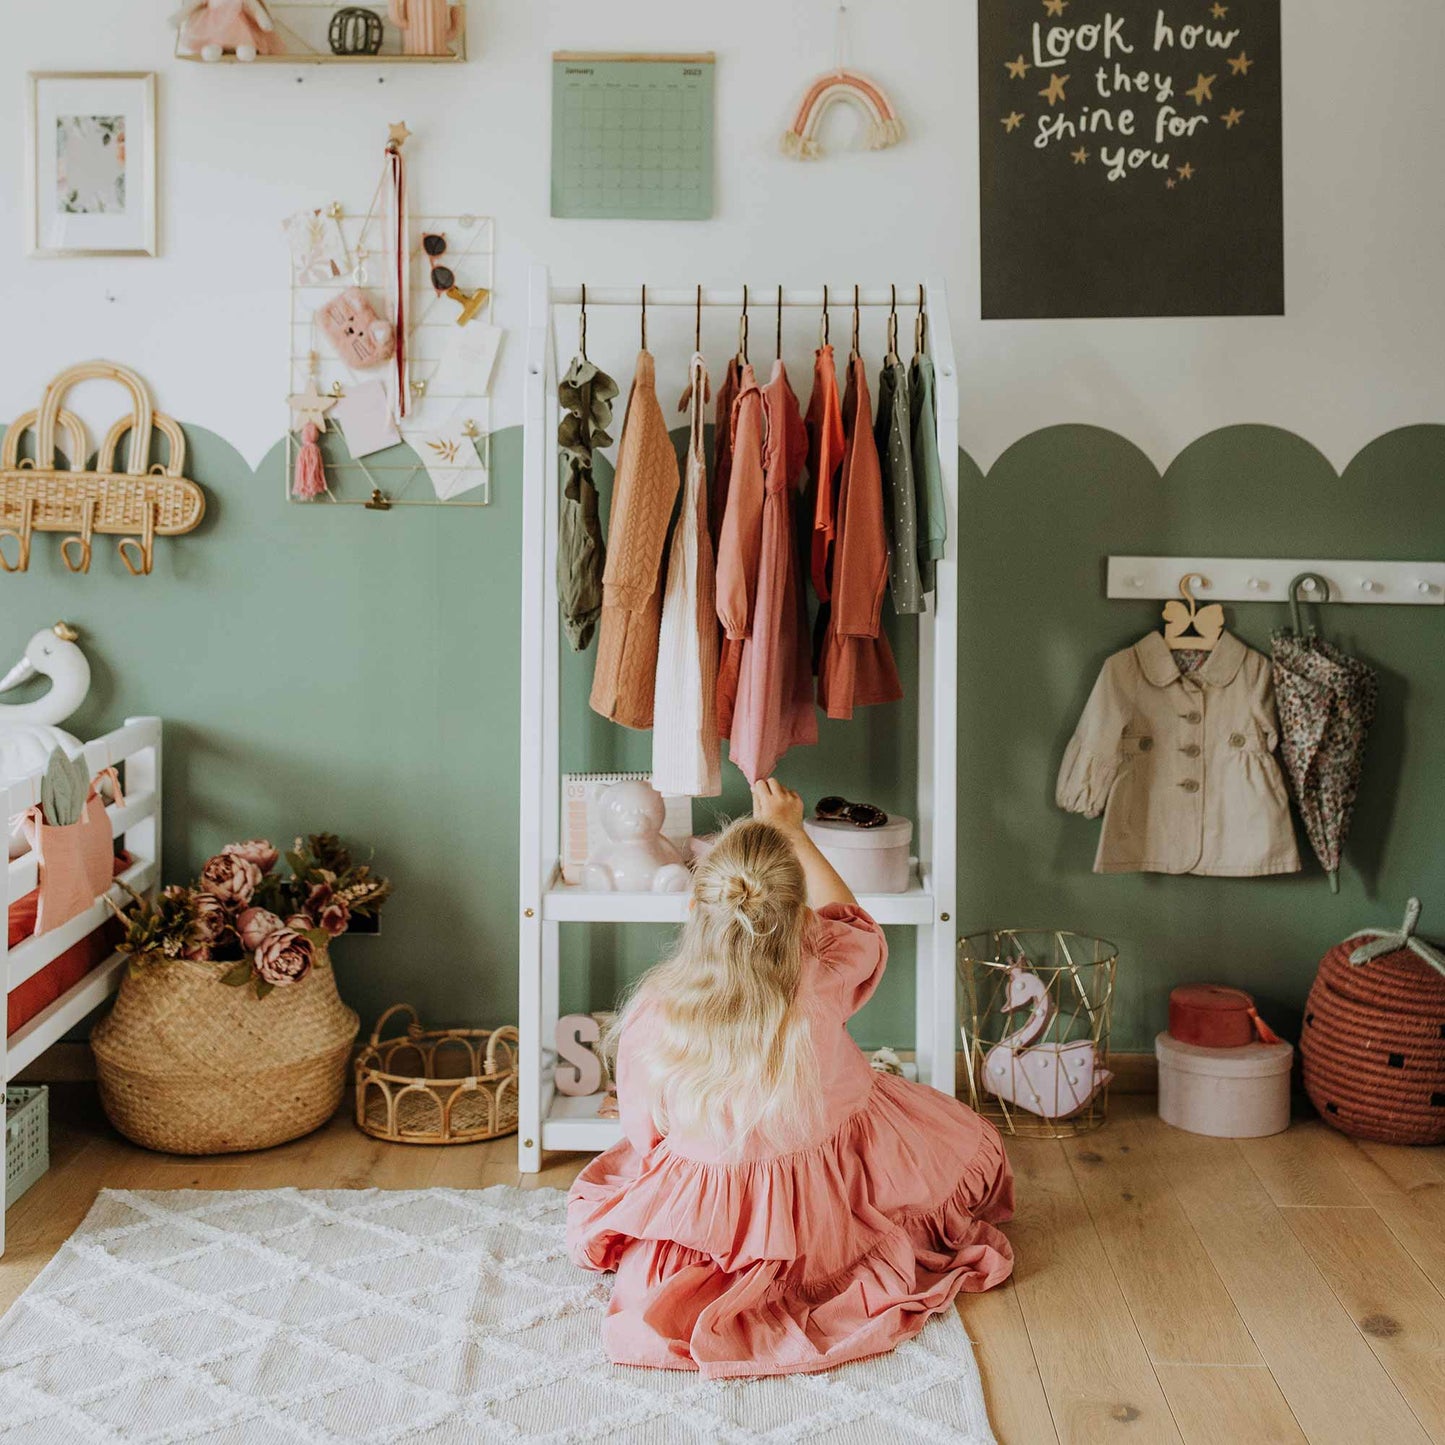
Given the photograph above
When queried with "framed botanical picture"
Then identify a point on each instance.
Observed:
(91, 164)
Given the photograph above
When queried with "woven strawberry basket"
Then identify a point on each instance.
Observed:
(1373, 1043)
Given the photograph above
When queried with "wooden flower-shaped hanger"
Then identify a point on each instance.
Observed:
(1192, 628)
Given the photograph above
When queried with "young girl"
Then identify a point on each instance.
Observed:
(776, 1205)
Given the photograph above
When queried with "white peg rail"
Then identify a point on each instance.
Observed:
(547, 1120)
(1247, 579)
(136, 748)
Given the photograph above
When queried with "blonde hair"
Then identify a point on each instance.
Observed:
(727, 1052)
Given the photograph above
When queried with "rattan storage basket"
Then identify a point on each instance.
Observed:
(1373, 1047)
(188, 1065)
(437, 1086)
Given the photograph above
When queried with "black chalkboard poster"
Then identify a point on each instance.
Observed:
(1130, 158)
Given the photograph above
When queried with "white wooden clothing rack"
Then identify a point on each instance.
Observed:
(546, 1119)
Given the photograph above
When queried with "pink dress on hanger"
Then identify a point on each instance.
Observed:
(856, 666)
(740, 542)
(772, 1263)
(774, 709)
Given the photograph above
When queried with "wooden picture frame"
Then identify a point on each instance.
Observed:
(80, 199)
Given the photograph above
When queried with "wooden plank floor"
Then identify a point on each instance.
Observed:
(1169, 1288)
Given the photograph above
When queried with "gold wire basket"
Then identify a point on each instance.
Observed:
(1036, 1009)
(437, 1086)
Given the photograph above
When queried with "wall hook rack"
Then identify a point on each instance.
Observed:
(137, 504)
(1254, 579)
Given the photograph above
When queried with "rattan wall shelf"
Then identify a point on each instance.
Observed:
(303, 26)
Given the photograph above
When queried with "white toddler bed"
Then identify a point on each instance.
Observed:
(136, 824)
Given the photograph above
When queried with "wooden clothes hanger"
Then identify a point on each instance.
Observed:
(1192, 628)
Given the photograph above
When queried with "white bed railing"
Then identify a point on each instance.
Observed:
(136, 750)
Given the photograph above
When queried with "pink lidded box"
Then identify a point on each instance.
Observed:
(1229, 1093)
(869, 860)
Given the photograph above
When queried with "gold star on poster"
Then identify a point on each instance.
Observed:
(1055, 7)
(1203, 90)
(1171, 183)
(1186, 172)
(1232, 118)
(1012, 122)
(1218, 11)
(1017, 69)
(1240, 63)
(1081, 156)
(1055, 91)
(310, 406)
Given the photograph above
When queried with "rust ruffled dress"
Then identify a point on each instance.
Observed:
(801, 1261)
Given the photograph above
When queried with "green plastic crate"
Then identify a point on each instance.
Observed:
(27, 1138)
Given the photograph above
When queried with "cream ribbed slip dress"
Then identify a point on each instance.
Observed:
(685, 753)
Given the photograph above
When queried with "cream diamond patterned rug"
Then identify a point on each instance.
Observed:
(433, 1317)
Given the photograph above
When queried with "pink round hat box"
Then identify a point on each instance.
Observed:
(1228, 1093)
(869, 860)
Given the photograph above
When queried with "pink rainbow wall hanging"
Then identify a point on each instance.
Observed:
(885, 129)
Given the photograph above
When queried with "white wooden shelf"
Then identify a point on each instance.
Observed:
(567, 903)
(546, 1120)
(572, 1125)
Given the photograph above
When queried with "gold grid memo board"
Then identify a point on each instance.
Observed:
(397, 473)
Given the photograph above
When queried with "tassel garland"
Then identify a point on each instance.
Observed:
(310, 479)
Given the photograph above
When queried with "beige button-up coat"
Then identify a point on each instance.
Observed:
(1183, 768)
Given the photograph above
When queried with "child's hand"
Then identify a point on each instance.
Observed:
(780, 806)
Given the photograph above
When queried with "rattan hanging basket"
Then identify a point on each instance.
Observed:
(188, 1065)
(437, 1086)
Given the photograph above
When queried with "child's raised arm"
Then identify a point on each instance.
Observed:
(783, 808)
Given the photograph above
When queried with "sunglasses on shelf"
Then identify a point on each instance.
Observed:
(840, 810)
(443, 278)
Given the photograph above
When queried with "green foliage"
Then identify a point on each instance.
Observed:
(64, 789)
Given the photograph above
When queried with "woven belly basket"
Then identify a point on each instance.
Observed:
(187, 1065)
(1373, 1043)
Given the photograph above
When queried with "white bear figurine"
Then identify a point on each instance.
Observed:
(636, 857)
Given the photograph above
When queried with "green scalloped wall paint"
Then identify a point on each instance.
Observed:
(323, 667)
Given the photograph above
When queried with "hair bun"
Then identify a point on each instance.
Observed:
(740, 892)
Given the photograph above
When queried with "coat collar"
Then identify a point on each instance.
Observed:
(1220, 668)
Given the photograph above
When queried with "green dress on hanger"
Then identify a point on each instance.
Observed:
(586, 394)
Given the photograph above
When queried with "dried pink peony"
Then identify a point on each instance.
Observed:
(230, 877)
(284, 957)
(255, 925)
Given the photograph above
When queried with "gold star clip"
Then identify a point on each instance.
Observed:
(1012, 122)
(1081, 156)
(1232, 118)
(1055, 91)
(310, 406)
(1203, 90)
(1240, 63)
(397, 135)
(1017, 69)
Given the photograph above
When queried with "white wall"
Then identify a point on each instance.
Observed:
(1360, 351)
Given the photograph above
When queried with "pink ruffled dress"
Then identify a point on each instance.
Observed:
(776, 1263)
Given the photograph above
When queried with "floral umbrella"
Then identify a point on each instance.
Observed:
(1326, 703)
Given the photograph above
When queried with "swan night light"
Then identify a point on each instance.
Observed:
(1054, 1081)
(30, 731)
